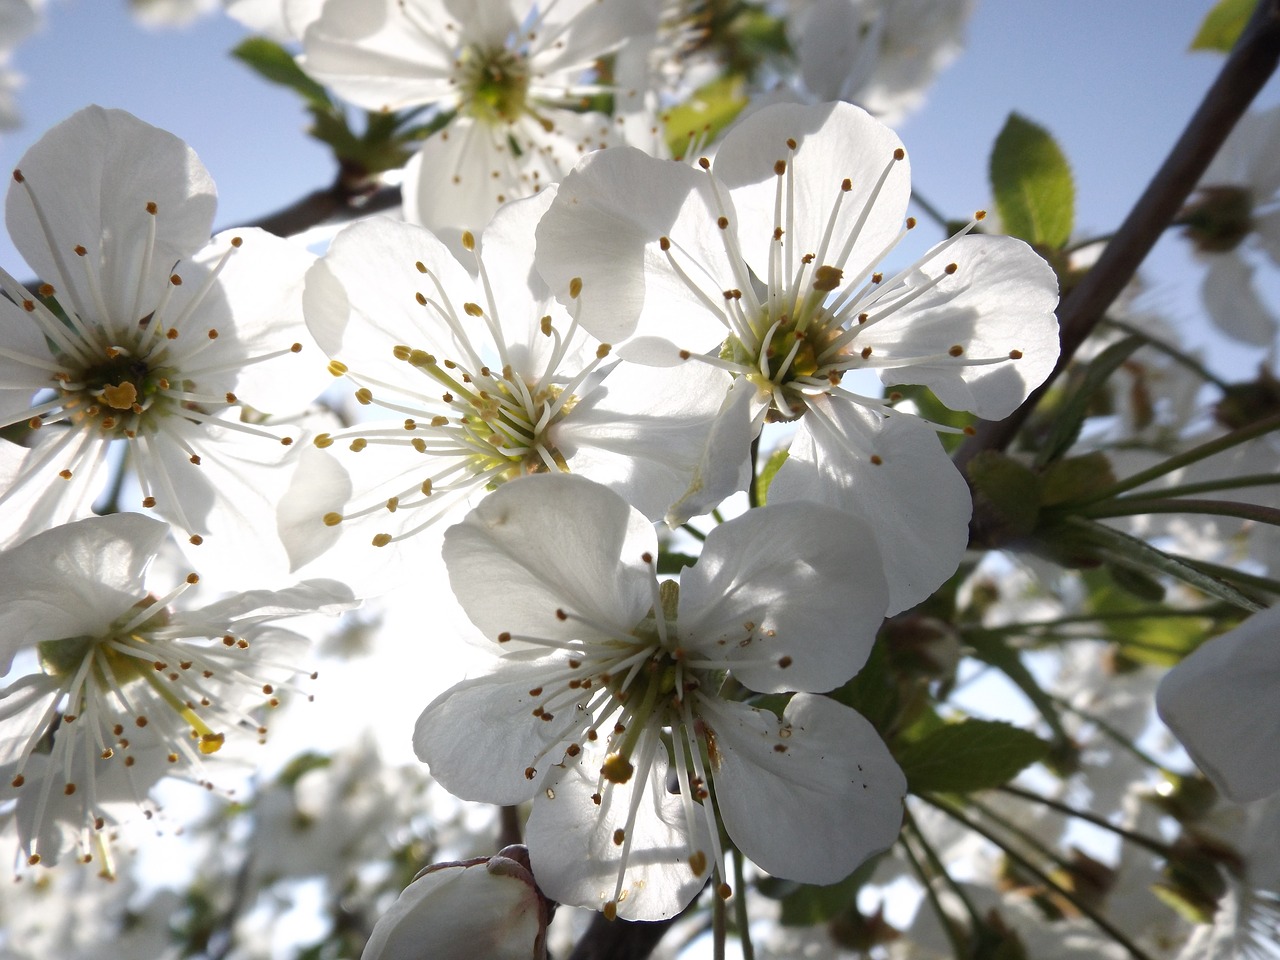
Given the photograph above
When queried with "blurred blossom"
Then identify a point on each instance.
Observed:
(1238, 201)
(880, 54)
(515, 75)
(131, 686)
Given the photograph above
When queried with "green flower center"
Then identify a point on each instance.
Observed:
(495, 84)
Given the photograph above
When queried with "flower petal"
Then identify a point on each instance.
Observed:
(809, 797)
(1221, 702)
(790, 590)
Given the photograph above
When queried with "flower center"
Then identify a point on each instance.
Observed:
(115, 395)
(495, 84)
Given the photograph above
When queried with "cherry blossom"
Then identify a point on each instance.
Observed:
(513, 71)
(145, 335)
(130, 685)
(769, 264)
(488, 379)
(609, 690)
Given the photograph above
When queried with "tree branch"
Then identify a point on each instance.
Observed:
(335, 204)
(1248, 67)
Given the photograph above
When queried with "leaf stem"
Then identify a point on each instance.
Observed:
(1148, 843)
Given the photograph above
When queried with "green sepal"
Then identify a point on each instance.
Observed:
(772, 464)
(1080, 398)
(1006, 497)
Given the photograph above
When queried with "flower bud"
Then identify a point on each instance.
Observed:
(487, 907)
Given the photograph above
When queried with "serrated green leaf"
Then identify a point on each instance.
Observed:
(970, 755)
(1222, 25)
(1032, 184)
(274, 63)
(708, 111)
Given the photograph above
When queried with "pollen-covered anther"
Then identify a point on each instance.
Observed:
(866, 353)
(619, 837)
(617, 768)
(780, 167)
(472, 309)
(65, 474)
(911, 223)
(504, 637)
(364, 396)
(337, 368)
(1015, 354)
(826, 278)
(956, 350)
(323, 440)
(468, 240)
(980, 215)
(722, 223)
(575, 287)
(704, 163)
(876, 459)
(530, 773)
(784, 662)
(951, 268)
(724, 891)
(664, 244)
(381, 539)
(195, 539)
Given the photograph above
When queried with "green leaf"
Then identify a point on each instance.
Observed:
(970, 755)
(705, 114)
(810, 904)
(1222, 25)
(1032, 184)
(274, 63)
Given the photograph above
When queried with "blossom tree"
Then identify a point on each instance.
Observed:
(621, 515)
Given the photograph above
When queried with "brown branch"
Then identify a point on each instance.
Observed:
(620, 939)
(1248, 67)
(335, 204)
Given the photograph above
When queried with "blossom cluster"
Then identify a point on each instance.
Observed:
(679, 432)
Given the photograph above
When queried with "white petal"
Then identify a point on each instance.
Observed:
(480, 737)
(75, 579)
(572, 840)
(1000, 300)
(1233, 304)
(792, 580)
(643, 431)
(915, 502)
(835, 142)
(93, 176)
(815, 809)
(599, 230)
(1221, 702)
(371, 55)
(460, 911)
(551, 542)
(724, 467)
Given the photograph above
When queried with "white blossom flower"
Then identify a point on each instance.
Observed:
(1240, 198)
(128, 684)
(514, 71)
(879, 54)
(159, 339)
(606, 709)
(488, 377)
(486, 907)
(768, 264)
(1221, 703)
(282, 20)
